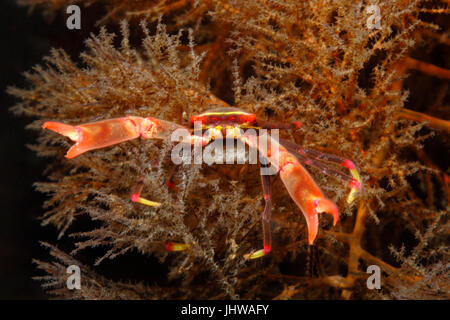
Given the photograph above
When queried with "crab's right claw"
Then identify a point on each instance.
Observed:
(100, 134)
(61, 128)
(72, 132)
(97, 135)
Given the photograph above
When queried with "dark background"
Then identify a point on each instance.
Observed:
(22, 47)
(26, 38)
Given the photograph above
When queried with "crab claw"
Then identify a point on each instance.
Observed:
(74, 133)
(61, 128)
(312, 215)
(97, 135)
(300, 185)
(100, 134)
(307, 195)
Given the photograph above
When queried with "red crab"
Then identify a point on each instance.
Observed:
(287, 161)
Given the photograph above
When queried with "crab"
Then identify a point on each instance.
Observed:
(285, 157)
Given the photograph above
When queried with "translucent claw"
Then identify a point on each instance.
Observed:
(173, 246)
(75, 151)
(74, 133)
(66, 130)
(321, 205)
(325, 205)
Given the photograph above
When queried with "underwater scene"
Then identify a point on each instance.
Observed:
(225, 150)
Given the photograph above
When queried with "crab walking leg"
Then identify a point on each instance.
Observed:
(136, 195)
(265, 217)
(355, 184)
(277, 125)
(300, 185)
(317, 159)
(175, 246)
(100, 134)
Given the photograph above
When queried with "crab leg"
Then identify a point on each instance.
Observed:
(136, 195)
(265, 217)
(317, 159)
(300, 185)
(277, 125)
(175, 246)
(100, 134)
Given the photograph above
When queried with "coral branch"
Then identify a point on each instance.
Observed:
(432, 122)
(427, 68)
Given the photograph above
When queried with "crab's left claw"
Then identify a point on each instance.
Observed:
(300, 185)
